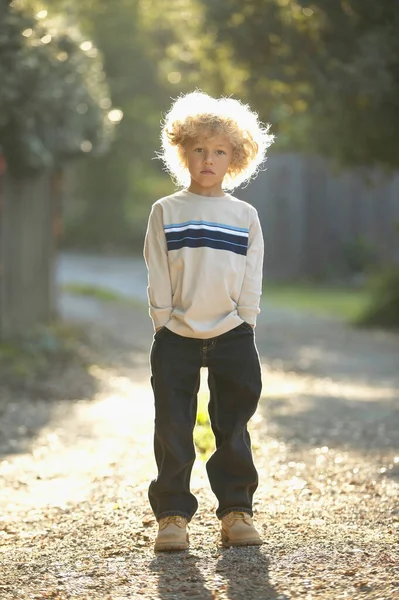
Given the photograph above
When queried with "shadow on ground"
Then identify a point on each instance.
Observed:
(328, 348)
(184, 580)
(312, 421)
(235, 575)
(336, 386)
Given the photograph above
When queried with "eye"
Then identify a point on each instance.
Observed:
(198, 149)
(220, 151)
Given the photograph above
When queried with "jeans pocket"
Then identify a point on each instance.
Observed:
(247, 326)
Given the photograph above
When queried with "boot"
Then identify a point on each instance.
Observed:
(172, 534)
(238, 530)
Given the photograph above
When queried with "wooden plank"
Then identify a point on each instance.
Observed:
(311, 214)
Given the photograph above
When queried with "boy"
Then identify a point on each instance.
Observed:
(204, 254)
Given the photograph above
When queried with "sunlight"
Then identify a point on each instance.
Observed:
(86, 146)
(281, 384)
(115, 115)
(85, 46)
(113, 428)
(174, 77)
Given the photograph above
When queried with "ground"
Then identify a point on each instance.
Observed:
(75, 520)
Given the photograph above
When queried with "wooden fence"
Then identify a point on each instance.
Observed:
(312, 217)
(26, 253)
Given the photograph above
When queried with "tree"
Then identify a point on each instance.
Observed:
(114, 192)
(52, 109)
(324, 72)
(51, 95)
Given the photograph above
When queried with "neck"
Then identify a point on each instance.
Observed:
(212, 192)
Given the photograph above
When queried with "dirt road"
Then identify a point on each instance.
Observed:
(75, 521)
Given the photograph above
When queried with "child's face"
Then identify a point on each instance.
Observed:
(208, 159)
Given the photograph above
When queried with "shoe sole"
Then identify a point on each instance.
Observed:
(171, 546)
(242, 543)
(248, 542)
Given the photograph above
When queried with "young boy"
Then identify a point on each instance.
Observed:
(204, 254)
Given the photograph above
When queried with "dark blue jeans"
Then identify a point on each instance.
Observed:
(234, 379)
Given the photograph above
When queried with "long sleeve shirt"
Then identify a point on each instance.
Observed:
(204, 257)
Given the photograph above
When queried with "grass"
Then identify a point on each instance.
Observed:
(33, 353)
(203, 436)
(346, 303)
(100, 293)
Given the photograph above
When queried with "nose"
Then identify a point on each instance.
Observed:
(208, 158)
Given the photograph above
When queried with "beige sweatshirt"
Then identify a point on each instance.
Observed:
(204, 258)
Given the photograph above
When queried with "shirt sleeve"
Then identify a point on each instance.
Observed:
(159, 290)
(251, 291)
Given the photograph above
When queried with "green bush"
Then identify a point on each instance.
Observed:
(31, 355)
(360, 255)
(383, 309)
(54, 99)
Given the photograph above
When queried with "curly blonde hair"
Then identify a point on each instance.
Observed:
(197, 112)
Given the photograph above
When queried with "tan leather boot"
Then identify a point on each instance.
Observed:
(172, 534)
(238, 530)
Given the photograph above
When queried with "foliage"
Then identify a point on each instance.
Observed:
(114, 193)
(360, 255)
(30, 355)
(325, 73)
(54, 102)
(203, 436)
(185, 48)
(383, 309)
(329, 300)
(101, 294)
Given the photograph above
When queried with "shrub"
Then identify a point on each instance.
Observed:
(54, 101)
(359, 255)
(383, 310)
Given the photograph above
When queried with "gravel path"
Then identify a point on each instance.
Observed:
(75, 521)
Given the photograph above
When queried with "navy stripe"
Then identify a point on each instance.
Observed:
(203, 242)
(173, 236)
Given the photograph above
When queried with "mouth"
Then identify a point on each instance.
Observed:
(208, 172)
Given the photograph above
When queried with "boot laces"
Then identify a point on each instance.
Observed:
(175, 519)
(236, 516)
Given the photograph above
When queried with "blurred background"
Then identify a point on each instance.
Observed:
(83, 89)
(84, 86)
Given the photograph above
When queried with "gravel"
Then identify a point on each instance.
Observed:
(75, 520)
